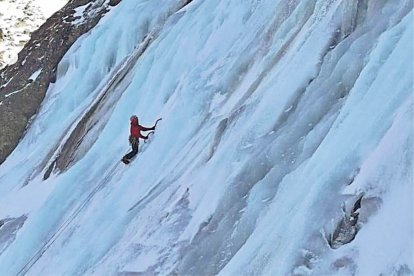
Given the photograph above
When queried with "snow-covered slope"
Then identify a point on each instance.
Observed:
(18, 18)
(285, 147)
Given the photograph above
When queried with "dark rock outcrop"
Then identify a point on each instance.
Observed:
(8, 230)
(114, 2)
(347, 228)
(23, 85)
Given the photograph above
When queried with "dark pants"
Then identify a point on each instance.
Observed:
(133, 152)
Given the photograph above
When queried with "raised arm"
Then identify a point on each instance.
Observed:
(146, 128)
(150, 128)
(143, 137)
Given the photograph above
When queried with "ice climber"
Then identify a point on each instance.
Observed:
(135, 134)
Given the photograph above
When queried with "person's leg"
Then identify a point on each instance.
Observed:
(133, 152)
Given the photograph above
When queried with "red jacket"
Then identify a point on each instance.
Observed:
(137, 128)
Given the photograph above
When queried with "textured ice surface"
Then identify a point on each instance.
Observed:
(285, 148)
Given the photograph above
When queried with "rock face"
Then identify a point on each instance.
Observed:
(23, 85)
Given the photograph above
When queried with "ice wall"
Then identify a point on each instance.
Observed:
(285, 145)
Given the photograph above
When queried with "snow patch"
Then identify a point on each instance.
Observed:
(34, 76)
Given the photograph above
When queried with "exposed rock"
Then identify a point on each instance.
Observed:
(20, 97)
(114, 2)
(347, 227)
(8, 230)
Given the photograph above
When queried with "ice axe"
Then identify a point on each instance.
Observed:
(152, 132)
